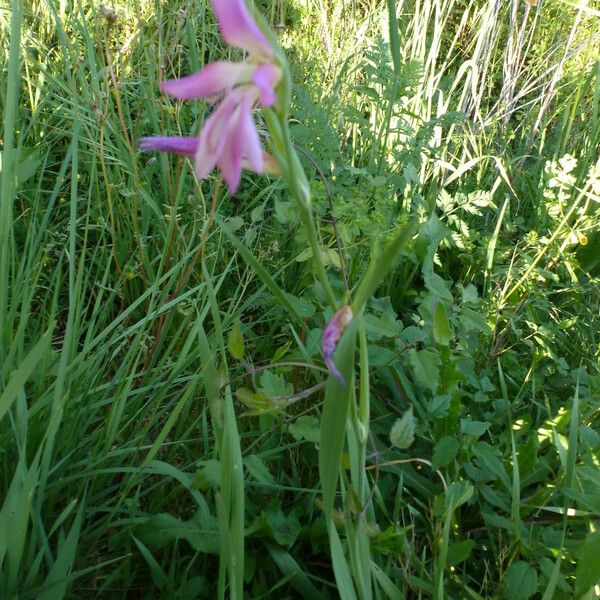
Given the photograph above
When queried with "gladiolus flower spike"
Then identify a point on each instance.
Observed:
(229, 138)
(331, 334)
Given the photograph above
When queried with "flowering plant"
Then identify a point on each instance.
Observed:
(229, 138)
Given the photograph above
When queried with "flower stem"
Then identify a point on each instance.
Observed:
(311, 231)
(299, 188)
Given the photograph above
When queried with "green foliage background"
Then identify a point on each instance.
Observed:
(129, 315)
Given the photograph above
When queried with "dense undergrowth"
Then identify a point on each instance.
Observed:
(133, 299)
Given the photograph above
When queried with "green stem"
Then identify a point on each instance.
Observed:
(300, 190)
(364, 406)
(311, 231)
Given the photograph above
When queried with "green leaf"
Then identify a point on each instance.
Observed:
(258, 214)
(402, 434)
(426, 366)
(284, 528)
(471, 320)
(378, 327)
(439, 405)
(260, 271)
(275, 385)
(469, 294)
(437, 286)
(294, 572)
(235, 342)
(305, 255)
(520, 581)
(442, 333)
(57, 582)
(208, 475)
(444, 452)
(333, 419)
(161, 530)
(28, 166)
(258, 402)
(488, 461)
(303, 307)
(459, 552)
(23, 372)
(305, 428)
(258, 469)
(457, 494)
(380, 265)
(476, 428)
(588, 564)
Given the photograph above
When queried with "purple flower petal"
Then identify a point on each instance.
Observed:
(239, 29)
(213, 80)
(265, 77)
(229, 138)
(214, 137)
(252, 153)
(331, 334)
(230, 162)
(180, 145)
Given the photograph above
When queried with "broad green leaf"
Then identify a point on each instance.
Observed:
(487, 458)
(588, 564)
(439, 405)
(457, 494)
(402, 434)
(305, 255)
(162, 530)
(284, 528)
(258, 469)
(469, 294)
(303, 307)
(258, 402)
(520, 581)
(459, 552)
(306, 428)
(275, 385)
(442, 333)
(380, 326)
(437, 286)
(471, 320)
(476, 428)
(28, 166)
(444, 452)
(235, 342)
(258, 214)
(426, 367)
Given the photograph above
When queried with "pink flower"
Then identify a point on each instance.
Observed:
(229, 138)
(331, 334)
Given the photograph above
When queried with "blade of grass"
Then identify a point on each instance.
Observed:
(24, 371)
(8, 166)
